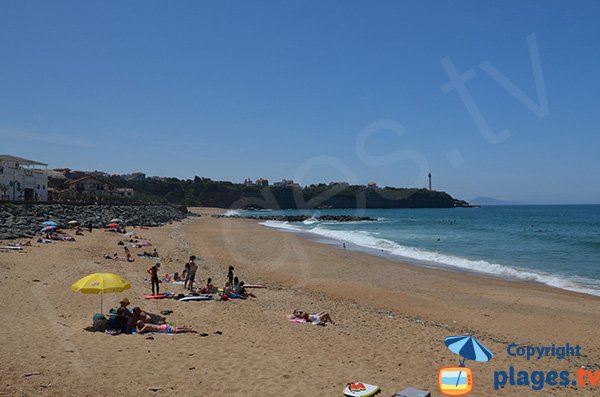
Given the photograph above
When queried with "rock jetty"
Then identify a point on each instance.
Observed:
(21, 220)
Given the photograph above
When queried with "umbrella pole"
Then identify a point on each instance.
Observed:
(101, 302)
(458, 379)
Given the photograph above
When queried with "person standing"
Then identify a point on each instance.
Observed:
(191, 267)
(230, 275)
(153, 272)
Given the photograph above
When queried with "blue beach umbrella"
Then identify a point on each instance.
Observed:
(50, 223)
(469, 348)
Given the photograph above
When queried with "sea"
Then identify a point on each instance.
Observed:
(556, 245)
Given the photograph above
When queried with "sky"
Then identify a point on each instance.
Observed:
(493, 98)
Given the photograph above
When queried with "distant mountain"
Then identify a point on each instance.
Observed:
(490, 201)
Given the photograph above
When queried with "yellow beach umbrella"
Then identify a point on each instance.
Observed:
(100, 283)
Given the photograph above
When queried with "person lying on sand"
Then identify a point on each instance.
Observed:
(164, 328)
(145, 317)
(315, 318)
(152, 254)
(116, 257)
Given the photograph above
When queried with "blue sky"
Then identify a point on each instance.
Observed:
(314, 91)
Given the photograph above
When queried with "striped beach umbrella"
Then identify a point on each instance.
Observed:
(469, 348)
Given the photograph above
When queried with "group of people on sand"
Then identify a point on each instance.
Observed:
(136, 320)
(55, 235)
(233, 286)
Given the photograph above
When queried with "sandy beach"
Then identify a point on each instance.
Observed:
(391, 320)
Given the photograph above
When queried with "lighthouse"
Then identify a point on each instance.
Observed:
(430, 181)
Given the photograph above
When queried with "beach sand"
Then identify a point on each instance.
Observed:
(391, 320)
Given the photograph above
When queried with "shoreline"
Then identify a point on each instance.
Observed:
(508, 290)
(422, 263)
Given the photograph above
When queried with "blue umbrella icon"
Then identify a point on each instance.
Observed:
(469, 348)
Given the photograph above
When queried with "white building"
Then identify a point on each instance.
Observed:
(20, 179)
(286, 183)
(92, 187)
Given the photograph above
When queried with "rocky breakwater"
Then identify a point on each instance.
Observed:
(302, 218)
(20, 220)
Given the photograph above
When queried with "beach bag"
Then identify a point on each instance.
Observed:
(99, 322)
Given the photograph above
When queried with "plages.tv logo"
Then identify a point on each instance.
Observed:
(458, 381)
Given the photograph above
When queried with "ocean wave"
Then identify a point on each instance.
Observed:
(231, 213)
(310, 221)
(436, 259)
(281, 225)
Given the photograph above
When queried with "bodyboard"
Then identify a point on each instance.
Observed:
(359, 389)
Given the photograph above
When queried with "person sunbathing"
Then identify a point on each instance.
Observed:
(164, 328)
(116, 257)
(320, 318)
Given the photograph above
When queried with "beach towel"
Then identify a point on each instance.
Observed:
(12, 247)
(294, 319)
